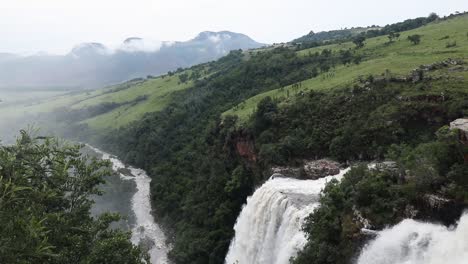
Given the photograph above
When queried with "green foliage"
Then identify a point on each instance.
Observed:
(265, 114)
(376, 56)
(415, 39)
(45, 189)
(183, 77)
(349, 124)
(359, 41)
(333, 236)
(382, 196)
(393, 36)
(339, 36)
(185, 147)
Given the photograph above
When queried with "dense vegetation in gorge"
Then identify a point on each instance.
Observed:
(45, 189)
(199, 185)
(201, 181)
(355, 123)
(385, 196)
(210, 134)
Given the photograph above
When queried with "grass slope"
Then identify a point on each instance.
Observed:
(399, 57)
(158, 95)
(135, 98)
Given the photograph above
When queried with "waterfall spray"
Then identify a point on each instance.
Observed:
(412, 242)
(145, 229)
(268, 230)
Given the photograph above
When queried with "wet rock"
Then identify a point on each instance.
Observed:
(435, 201)
(320, 168)
(361, 220)
(435, 208)
(125, 171)
(146, 243)
(311, 170)
(385, 165)
(292, 172)
(277, 175)
(410, 211)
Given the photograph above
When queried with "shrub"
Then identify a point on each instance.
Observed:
(451, 44)
(415, 39)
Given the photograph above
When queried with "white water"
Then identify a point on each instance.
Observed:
(145, 227)
(412, 242)
(268, 230)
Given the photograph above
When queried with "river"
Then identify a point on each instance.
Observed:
(132, 188)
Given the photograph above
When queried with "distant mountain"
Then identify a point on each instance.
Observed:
(7, 56)
(92, 65)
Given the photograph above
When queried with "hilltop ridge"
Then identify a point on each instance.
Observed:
(93, 65)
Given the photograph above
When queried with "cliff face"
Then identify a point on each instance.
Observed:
(243, 144)
(246, 149)
(462, 126)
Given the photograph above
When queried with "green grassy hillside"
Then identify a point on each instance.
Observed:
(129, 101)
(398, 57)
(156, 94)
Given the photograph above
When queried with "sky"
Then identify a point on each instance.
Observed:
(55, 26)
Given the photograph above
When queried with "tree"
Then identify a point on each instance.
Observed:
(346, 56)
(415, 39)
(359, 41)
(45, 189)
(393, 36)
(267, 109)
(432, 17)
(183, 77)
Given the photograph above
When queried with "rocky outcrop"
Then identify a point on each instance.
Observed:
(435, 201)
(292, 172)
(441, 64)
(365, 227)
(435, 208)
(246, 149)
(320, 168)
(311, 169)
(419, 74)
(242, 143)
(462, 126)
(384, 165)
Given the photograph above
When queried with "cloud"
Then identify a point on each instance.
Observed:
(215, 38)
(140, 45)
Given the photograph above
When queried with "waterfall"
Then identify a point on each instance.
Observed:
(146, 231)
(412, 242)
(268, 230)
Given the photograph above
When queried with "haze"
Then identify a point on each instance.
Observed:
(55, 26)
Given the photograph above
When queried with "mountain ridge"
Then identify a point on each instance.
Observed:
(93, 65)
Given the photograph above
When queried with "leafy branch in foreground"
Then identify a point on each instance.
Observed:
(45, 189)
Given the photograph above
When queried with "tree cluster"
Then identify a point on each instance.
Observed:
(45, 189)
